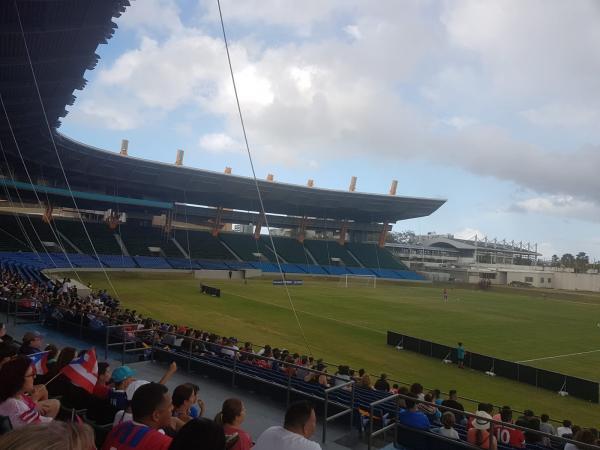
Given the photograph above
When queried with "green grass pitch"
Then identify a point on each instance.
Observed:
(349, 325)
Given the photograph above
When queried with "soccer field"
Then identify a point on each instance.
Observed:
(349, 325)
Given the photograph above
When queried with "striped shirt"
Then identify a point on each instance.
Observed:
(22, 411)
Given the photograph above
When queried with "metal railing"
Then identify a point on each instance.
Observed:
(383, 428)
(343, 412)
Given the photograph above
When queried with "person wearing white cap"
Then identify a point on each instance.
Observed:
(479, 434)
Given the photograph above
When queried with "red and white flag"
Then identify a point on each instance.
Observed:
(83, 371)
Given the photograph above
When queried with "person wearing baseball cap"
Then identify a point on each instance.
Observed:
(122, 377)
(32, 343)
(479, 434)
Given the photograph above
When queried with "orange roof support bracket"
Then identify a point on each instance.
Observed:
(343, 233)
(383, 235)
(258, 227)
(217, 225)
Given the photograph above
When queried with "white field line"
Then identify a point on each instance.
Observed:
(559, 356)
(311, 314)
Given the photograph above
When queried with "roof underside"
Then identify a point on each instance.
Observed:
(62, 37)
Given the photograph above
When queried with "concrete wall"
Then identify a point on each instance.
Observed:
(535, 278)
(576, 281)
(207, 274)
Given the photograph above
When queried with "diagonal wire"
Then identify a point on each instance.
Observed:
(37, 88)
(262, 206)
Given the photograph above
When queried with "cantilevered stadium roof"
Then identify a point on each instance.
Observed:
(62, 36)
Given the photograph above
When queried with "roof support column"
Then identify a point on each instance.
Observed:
(383, 235)
(302, 230)
(258, 227)
(343, 232)
(217, 226)
(47, 217)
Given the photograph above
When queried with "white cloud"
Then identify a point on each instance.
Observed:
(563, 116)
(219, 142)
(152, 15)
(565, 206)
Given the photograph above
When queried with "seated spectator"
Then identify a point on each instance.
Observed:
(19, 397)
(395, 389)
(54, 435)
(532, 423)
(585, 436)
(4, 338)
(122, 377)
(479, 434)
(52, 355)
(402, 401)
(183, 398)
(417, 389)
(197, 409)
(485, 407)
(7, 352)
(59, 384)
(199, 434)
(411, 416)
(382, 384)
(299, 425)
(430, 410)
(508, 435)
(565, 429)
(365, 381)
(451, 402)
(436, 395)
(32, 343)
(232, 416)
(102, 388)
(151, 408)
(447, 428)
(125, 415)
(302, 372)
(548, 428)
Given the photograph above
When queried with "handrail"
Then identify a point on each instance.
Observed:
(372, 413)
(345, 411)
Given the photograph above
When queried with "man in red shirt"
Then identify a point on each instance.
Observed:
(151, 408)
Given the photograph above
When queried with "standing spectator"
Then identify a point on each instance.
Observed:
(382, 384)
(411, 416)
(460, 355)
(199, 434)
(32, 343)
(447, 428)
(479, 434)
(16, 382)
(232, 416)
(299, 425)
(151, 408)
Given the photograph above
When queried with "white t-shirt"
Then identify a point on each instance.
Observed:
(563, 430)
(22, 412)
(278, 438)
(122, 416)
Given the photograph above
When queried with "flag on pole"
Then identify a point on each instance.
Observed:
(39, 361)
(83, 371)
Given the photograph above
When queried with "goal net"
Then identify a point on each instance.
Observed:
(347, 280)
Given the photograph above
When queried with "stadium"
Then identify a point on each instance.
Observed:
(152, 263)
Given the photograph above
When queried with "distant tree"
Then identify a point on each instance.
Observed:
(582, 261)
(555, 261)
(567, 260)
(402, 237)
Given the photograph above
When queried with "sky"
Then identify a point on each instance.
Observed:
(493, 105)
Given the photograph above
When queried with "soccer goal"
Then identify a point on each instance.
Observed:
(349, 280)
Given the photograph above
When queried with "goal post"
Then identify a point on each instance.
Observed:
(354, 280)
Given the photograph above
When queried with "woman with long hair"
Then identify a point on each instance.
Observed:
(232, 416)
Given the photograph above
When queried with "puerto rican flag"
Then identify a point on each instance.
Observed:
(39, 361)
(83, 371)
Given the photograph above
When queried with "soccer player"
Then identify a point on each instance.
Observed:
(445, 295)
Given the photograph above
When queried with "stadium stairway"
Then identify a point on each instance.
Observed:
(324, 251)
(246, 247)
(370, 255)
